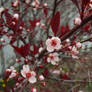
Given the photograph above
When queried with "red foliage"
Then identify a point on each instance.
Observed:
(35, 49)
(55, 22)
(64, 77)
(64, 30)
(33, 23)
(23, 50)
(46, 72)
(45, 10)
(13, 23)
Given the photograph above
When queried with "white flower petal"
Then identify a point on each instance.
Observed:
(23, 73)
(26, 68)
(56, 59)
(48, 60)
(33, 73)
(12, 75)
(53, 62)
(48, 41)
(55, 54)
(32, 79)
(50, 49)
(57, 47)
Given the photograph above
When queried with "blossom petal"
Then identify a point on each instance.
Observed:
(50, 49)
(48, 60)
(23, 73)
(53, 62)
(32, 79)
(26, 68)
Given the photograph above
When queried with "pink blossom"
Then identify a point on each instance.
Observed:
(53, 58)
(78, 45)
(27, 73)
(13, 72)
(34, 89)
(74, 52)
(16, 16)
(77, 21)
(53, 44)
(41, 77)
(40, 49)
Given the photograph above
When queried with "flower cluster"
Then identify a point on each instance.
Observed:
(12, 71)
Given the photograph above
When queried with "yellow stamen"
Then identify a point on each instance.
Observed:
(3, 85)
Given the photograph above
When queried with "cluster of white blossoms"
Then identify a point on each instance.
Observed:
(53, 43)
(29, 74)
(12, 71)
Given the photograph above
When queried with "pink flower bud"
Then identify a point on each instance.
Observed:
(77, 21)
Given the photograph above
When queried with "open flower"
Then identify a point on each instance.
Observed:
(27, 73)
(53, 44)
(53, 58)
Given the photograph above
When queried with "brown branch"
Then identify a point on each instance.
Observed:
(59, 2)
(85, 21)
(70, 81)
(89, 39)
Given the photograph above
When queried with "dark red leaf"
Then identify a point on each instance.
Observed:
(23, 50)
(65, 77)
(33, 22)
(64, 30)
(87, 27)
(46, 72)
(35, 49)
(55, 22)
(45, 11)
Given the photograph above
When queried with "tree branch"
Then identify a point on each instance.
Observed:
(86, 20)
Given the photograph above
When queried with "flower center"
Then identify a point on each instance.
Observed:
(53, 43)
(51, 57)
(28, 75)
